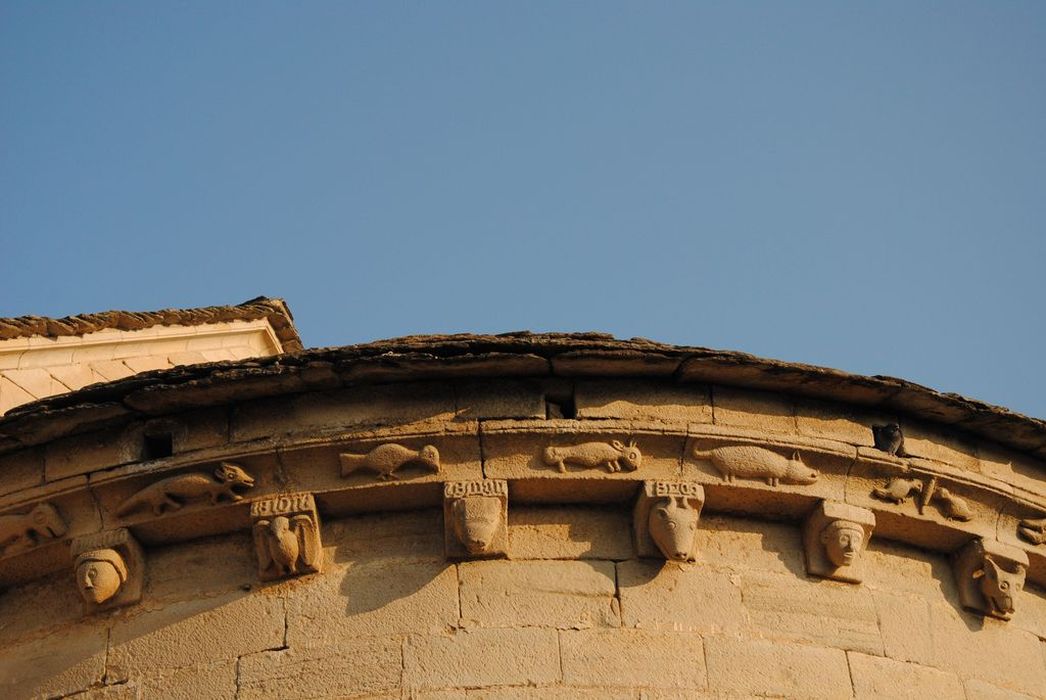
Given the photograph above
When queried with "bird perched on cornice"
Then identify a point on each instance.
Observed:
(281, 542)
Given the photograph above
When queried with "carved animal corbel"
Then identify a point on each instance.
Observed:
(665, 517)
(109, 568)
(286, 535)
(174, 492)
(614, 455)
(989, 575)
(749, 462)
(27, 530)
(386, 459)
(475, 514)
(834, 536)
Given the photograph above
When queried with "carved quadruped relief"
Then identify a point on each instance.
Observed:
(899, 489)
(834, 536)
(664, 520)
(27, 530)
(286, 535)
(475, 517)
(749, 462)
(1032, 530)
(613, 455)
(385, 460)
(989, 575)
(109, 568)
(175, 491)
(890, 439)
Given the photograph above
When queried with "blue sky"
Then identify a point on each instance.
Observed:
(858, 186)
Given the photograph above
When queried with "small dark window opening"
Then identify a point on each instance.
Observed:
(157, 446)
(564, 408)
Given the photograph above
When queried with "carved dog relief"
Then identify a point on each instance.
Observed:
(174, 492)
(749, 462)
(664, 521)
(27, 530)
(475, 518)
(109, 568)
(286, 533)
(385, 460)
(834, 536)
(989, 575)
(613, 455)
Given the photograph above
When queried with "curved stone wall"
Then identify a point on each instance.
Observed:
(511, 532)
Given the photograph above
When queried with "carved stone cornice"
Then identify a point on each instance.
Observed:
(452, 357)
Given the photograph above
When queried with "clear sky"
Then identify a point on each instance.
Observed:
(858, 186)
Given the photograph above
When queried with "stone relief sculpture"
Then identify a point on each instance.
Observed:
(386, 459)
(1032, 530)
(475, 517)
(748, 462)
(109, 569)
(590, 455)
(174, 492)
(664, 520)
(989, 575)
(834, 536)
(953, 507)
(898, 489)
(26, 530)
(286, 536)
(889, 439)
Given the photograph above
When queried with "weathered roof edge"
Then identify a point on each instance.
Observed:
(520, 354)
(273, 309)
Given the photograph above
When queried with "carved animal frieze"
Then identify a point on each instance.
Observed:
(613, 455)
(890, 439)
(665, 517)
(475, 517)
(286, 535)
(386, 459)
(953, 507)
(26, 530)
(990, 575)
(1032, 530)
(834, 536)
(174, 492)
(899, 489)
(749, 462)
(109, 568)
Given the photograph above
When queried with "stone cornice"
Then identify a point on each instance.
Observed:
(274, 310)
(512, 355)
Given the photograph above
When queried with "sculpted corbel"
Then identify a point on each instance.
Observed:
(286, 530)
(834, 536)
(989, 575)
(475, 518)
(109, 568)
(664, 520)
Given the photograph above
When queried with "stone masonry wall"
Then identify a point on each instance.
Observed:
(573, 614)
(569, 609)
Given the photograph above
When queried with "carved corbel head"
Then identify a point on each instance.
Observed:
(989, 575)
(109, 568)
(475, 516)
(665, 519)
(834, 536)
(99, 575)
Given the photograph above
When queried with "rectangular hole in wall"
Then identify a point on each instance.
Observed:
(157, 446)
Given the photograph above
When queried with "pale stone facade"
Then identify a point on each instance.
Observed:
(520, 517)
